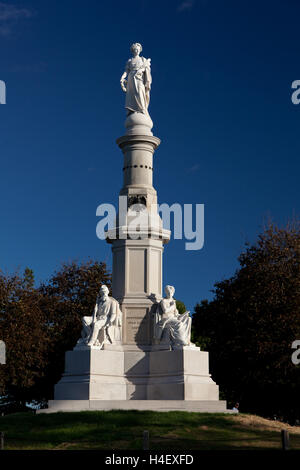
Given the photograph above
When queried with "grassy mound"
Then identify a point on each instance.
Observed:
(118, 430)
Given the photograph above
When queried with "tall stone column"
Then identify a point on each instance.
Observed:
(137, 262)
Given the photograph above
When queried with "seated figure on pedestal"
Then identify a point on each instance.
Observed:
(170, 327)
(104, 326)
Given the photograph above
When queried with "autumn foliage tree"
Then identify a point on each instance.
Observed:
(38, 324)
(251, 323)
(23, 329)
(69, 295)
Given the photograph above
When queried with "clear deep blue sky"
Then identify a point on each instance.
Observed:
(220, 102)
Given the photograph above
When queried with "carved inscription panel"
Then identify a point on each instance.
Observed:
(137, 326)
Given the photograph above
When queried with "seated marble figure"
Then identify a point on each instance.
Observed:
(170, 327)
(104, 326)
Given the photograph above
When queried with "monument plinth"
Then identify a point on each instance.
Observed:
(136, 350)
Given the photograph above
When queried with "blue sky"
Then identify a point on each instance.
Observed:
(220, 102)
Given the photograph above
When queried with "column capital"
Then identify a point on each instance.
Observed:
(128, 140)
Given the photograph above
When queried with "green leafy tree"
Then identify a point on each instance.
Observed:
(28, 279)
(180, 306)
(250, 325)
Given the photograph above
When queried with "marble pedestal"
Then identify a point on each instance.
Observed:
(118, 378)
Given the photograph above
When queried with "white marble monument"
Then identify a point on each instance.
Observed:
(135, 351)
(105, 325)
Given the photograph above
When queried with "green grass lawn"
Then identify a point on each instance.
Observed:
(117, 430)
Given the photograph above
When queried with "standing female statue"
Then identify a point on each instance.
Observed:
(138, 83)
(172, 328)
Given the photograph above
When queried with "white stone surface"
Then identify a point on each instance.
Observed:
(137, 272)
(141, 405)
(138, 124)
(137, 263)
(108, 374)
(170, 327)
(138, 84)
(138, 163)
(92, 374)
(105, 325)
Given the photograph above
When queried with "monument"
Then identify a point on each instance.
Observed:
(135, 350)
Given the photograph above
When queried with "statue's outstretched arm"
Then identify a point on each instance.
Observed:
(123, 81)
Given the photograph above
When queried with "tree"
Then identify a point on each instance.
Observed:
(69, 295)
(28, 279)
(180, 306)
(40, 324)
(250, 325)
(22, 328)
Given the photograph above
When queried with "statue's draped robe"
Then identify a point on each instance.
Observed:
(107, 311)
(110, 310)
(138, 79)
(172, 328)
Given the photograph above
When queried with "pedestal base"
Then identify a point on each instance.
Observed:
(202, 406)
(137, 379)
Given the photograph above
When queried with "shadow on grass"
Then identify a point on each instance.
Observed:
(119, 429)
